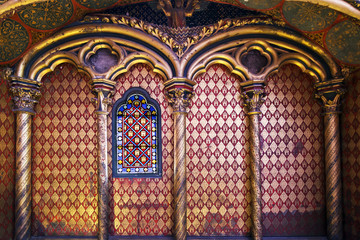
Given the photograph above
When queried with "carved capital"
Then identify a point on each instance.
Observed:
(331, 100)
(25, 92)
(179, 99)
(253, 100)
(102, 89)
(102, 100)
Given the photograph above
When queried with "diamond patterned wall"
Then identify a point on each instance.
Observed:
(144, 206)
(7, 162)
(218, 185)
(64, 156)
(292, 156)
(351, 162)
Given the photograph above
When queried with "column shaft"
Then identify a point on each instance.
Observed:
(331, 103)
(23, 176)
(179, 98)
(253, 98)
(333, 176)
(103, 176)
(25, 93)
(180, 174)
(255, 176)
(102, 100)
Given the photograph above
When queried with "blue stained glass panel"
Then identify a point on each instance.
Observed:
(136, 127)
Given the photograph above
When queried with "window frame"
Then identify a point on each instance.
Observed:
(150, 101)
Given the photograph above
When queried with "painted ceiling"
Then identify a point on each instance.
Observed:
(333, 24)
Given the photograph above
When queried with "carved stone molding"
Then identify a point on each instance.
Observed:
(181, 39)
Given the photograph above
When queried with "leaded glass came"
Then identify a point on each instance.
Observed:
(136, 125)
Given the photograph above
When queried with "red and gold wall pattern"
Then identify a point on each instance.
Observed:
(7, 162)
(293, 191)
(64, 164)
(144, 206)
(218, 191)
(218, 184)
(351, 162)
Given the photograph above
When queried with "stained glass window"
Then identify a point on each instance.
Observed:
(136, 135)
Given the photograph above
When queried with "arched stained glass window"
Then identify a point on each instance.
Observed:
(136, 135)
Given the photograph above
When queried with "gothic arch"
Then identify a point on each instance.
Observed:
(78, 44)
(276, 45)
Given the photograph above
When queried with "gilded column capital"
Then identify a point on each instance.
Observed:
(179, 99)
(331, 100)
(102, 89)
(25, 93)
(253, 94)
(253, 100)
(179, 91)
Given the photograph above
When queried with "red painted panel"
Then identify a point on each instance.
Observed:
(293, 184)
(351, 161)
(218, 187)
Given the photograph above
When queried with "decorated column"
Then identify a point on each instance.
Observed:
(253, 93)
(330, 95)
(25, 94)
(179, 92)
(102, 88)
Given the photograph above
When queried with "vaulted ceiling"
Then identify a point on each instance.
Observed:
(334, 25)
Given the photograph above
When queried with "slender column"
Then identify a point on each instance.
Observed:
(253, 98)
(25, 94)
(102, 100)
(179, 98)
(331, 103)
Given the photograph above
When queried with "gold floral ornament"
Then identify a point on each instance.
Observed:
(13, 40)
(47, 15)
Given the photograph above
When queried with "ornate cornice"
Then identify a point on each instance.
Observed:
(181, 39)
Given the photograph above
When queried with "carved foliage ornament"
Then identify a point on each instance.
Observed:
(180, 46)
(331, 101)
(253, 100)
(25, 99)
(179, 99)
